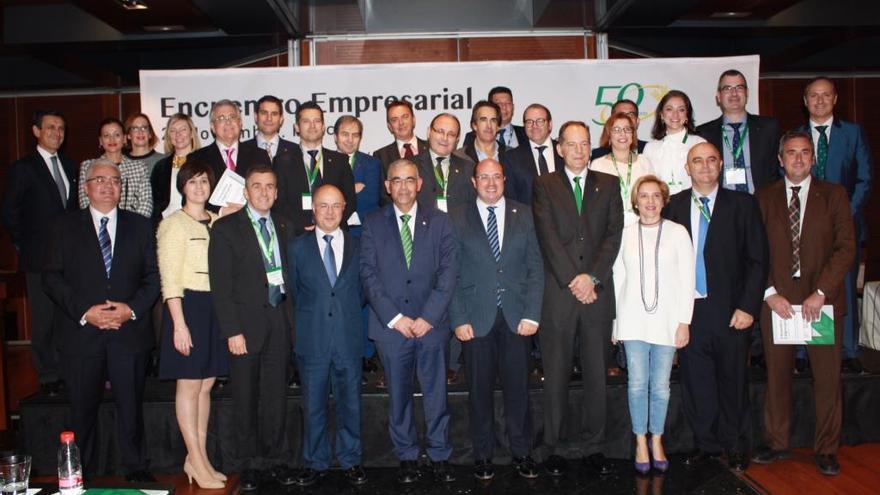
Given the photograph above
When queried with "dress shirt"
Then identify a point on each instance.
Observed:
(414, 144)
(444, 165)
(727, 152)
(695, 222)
(802, 194)
(47, 157)
(483, 208)
(509, 136)
(276, 251)
(337, 244)
(111, 224)
(307, 160)
(583, 175)
(175, 199)
(815, 132)
(482, 156)
(668, 157)
(412, 231)
(262, 142)
(222, 147)
(548, 155)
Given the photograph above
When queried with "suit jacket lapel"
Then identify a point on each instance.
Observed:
(394, 234)
(347, 253)
(836, 147)
(46, 179)
(87, 227)
(475, 224)
(511, 222)
(571, 205)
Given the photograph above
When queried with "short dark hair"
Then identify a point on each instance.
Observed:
(789, 135)
(447, 114)
(659, 129)
(309, 105)
(623, 100)
(486, 104)
(732, 73)
(37, 119)
(108, 121)
(259, 168)
(572, 123)
(540, 107)
(820, 78)
(349, 119)
(499, 90)
(194, 168)
(398, 103)
(271, 99)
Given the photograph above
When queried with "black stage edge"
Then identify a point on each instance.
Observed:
(43, 418)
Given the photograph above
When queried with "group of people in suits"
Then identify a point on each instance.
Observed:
(684, 246)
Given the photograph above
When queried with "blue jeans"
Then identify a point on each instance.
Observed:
(648, 368)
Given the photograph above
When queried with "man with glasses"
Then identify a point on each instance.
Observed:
(446, 176)
(630, 108)
(535, 157)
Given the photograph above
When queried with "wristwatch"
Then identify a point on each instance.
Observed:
(133, 316)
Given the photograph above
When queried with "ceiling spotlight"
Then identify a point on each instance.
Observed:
(133, 4)
(730, 15)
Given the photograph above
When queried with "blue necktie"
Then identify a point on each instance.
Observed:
(701, 244)
(738, 161)
(106, 246)
(274, 290)
(329, 260)
(492, 232)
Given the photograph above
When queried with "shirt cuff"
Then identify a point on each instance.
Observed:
(819, 291)
(394, 320)
(533, 322)
(82, 321)
(771, 291)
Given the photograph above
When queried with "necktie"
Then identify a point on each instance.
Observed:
(106, 246)
(59, 180)
(701, 284)
(492, 232)
(269, 150)
(313, 161)
(406, 238)
(739, 161)
(441, 180)
(794, 225)
(501, 141)
(408, 151)
(821, 152)
(329, 260)
(578, 194)
(230, 163)
(274, 290)
(542, 162)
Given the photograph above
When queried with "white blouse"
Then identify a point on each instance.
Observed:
(669, 155)
(641, 166)
(675, 286)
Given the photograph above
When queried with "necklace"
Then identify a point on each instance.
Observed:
(650, 308)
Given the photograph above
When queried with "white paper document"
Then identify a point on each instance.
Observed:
(354, 219)
(230, 189)
(798, 331)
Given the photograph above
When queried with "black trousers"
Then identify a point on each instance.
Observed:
(44, 351)
(85, 382)
(714, 379)
(258, 383)
(500, 353)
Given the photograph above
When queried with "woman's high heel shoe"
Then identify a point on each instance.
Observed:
(210, 483)
(216, 474)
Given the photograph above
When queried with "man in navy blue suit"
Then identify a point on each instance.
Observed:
(324, 276)
(409, 261)
(842, 157)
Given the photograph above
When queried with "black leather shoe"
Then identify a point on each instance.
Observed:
(443, 471)
(249, 481)
(409, 472)
(355, 475)
(827, 464)
(697, 457)
(294, 381)
(525, 467)
(52, 389)
(556, 465)
(852, 366)
(600, 463)
(222, 381)
(737, 461)
(369, 365)
(140, 477)
(483, 470)
(283, 475)
(800, 365)
(766, 455)
(306, 477)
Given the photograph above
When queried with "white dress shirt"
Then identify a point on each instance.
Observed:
(223, 149)
(444, 165)
(483, 209)
(583, 175)
(307, 160)
(695, 222)
(668, 157)
(263, 143)
(815, 132)
(413, 143)
(337, 244)
(112, 215)
(47, 158)
(548, 154)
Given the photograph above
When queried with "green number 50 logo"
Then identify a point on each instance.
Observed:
(607, 96)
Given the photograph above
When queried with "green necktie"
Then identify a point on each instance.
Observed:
(578, 194)
(821, 152)
(406, 238)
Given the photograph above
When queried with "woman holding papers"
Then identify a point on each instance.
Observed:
(180, 139)
(192, 350)
(654, 288)
(673, 136)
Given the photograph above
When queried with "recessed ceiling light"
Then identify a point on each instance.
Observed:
(165, 29)
(133, 4)
(730, 15)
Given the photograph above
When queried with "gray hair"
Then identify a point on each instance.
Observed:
(101, 162)
(402, 162)
(224, 103)
(789, 135)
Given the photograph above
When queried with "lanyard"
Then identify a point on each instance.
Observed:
(699, 205)
(268, 251)
(312, 175)
(440, 180)
(624, 186)
(742, 142)
(685, 138)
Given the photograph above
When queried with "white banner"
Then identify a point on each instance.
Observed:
(571, 89)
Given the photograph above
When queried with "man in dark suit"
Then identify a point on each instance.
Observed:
(401, 123)
(326, 287)
(731, 256)
(299, 174)
(446, 176)
(485, 118)
(367, 170)
(630, 108)
(42, 186)
(269, 119)
(496, 308)
(537, 155)
(509, 136)
(225, 152)
(842, 157)
(808, 264)
(100, 270)
(247, 263)
(579, 220)
(408, 271)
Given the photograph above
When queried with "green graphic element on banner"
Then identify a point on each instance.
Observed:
(823, 330)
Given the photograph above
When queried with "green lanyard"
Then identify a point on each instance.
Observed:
(440, 180)
(742, 142)
(685, 139)
(312, 175)
(624, 186)
(268, 251)
(699, 205)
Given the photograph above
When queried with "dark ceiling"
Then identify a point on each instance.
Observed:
(54, 44)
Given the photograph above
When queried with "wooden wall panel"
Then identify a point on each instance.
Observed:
(522, 48)
(131, 103)
(386, 51)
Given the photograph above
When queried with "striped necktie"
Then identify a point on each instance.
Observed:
(406, 238)
(106, 246)
(492, 232)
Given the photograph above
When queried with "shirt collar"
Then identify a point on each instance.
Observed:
(412, 211)
(828, 122)
(482, 205)
(261, 140)
(725, 120)
(712, 195)
(547, 142)
(805, 184)
(256, 216)
(223, 147)
(45, 153)
(414, 142)
(97, 215)
(446, 159)
(571, 175)
(320, 233)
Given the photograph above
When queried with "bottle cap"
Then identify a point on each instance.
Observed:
(66, 436)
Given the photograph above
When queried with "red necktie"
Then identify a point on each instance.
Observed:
(407, 151)
(230, 163)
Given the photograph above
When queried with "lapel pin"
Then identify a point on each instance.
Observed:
(424, 222)
(597, 189)
(513, 210)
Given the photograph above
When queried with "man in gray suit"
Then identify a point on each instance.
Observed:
(496, 307)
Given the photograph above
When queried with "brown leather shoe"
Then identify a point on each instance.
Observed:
(380, 383)
(453, 377)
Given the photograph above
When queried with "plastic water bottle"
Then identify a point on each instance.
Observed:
(70, 480)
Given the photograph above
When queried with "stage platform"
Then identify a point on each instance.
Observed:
(42, 418)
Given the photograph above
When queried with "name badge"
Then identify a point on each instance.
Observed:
(441, 203)
(275, 276)
(735, 176)
(306, 201)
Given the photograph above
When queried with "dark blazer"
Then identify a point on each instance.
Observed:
(425, 289)
(368, 171)
(248, 156)
(763, 146)
(75, 279)
(521, 170)
(470, 151)
(735, 251)
(238, 277)
(827, 240)
(573, 244)
(285, 147)
(160, 183)
(519, 274)
(293, 182)
(387, 155)
(30, 204)
(849, 164)
(459, 190)
(328, 317)
(520, 131)
(604, 150)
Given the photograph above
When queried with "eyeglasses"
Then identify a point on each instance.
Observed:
(398, 181)
(139, 128)
(622, 130)
(103, 179)
(226, 119)
(448, 134)
(489, 177)
(534, 122)
(739, 88)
